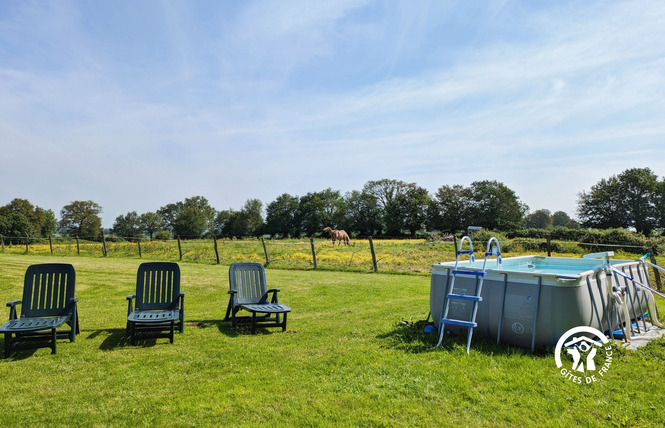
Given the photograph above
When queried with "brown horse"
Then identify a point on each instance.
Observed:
(338, 235)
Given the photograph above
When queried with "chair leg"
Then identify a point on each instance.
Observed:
(253, 322)
(172, 331)
(284, 323)
(53, 341)
(8, 347)
(132, 338)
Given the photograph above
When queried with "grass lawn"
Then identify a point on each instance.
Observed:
(354, 354)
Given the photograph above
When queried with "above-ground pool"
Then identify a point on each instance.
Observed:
(531, 301)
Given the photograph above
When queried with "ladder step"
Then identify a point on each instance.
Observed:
(465, 297)
(469, 272)
(459, 253)
(459, 322)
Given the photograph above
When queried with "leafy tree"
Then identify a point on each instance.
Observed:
(15, 225)
(639, 187)
(223, 222)
(660, 202)
(385, 190)
(494, 206)
(401, 204)
(191, 218)
(447, 209)
(602, 207)
(560, 218)
(81, 218)
(629, 199)
(246, 222)
(539, 219)
(317, 210)
(252, 217)
(151, 223)
(50, 223)
(41, 220)
(168, 213)
(282, 216)
(127, 226)
(363, 214)
(407, 211)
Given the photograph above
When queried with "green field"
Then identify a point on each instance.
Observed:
(354, 354)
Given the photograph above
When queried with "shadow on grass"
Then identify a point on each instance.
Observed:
(243, 327)
(410, 337)
(17, 355)
(116, 338)
(222, 326)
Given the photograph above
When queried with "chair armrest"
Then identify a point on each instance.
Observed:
(274, 299)
(232, 292)
(12, 308)
(74, 300)
(130, 299)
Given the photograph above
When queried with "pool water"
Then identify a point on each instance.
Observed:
(540, 265)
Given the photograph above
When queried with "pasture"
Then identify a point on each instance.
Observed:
(354, 354)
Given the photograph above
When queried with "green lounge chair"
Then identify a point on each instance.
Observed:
(159, 302)
(48, 303)
(248, 291)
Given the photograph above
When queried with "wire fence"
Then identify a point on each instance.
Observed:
(364, 255)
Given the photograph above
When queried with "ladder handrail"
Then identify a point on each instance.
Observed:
(469, 252)
(490, 253)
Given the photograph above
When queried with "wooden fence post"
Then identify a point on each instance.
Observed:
(50, 243)
(179, 248)
(549, 247)
(652, 258)
(138, 241)
(104, 245)
(214, 238)
(265, 251)
(2, 239)
(311, 242)
(27, 244)
(78, 247)
(371, 249)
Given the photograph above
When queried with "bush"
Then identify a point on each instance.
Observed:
(163, 235)
(614, 239)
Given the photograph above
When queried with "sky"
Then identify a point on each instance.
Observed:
(138, 104)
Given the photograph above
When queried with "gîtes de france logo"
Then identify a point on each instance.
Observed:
(584, 351)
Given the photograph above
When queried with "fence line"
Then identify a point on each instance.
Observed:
(370, 255)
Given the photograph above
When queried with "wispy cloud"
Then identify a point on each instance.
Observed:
(139, 106)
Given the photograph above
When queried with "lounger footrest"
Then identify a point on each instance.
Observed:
(267, 308)
(32, 324)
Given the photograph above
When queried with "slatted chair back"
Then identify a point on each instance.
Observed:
(249, 282)
(47, 290)
(157, 286)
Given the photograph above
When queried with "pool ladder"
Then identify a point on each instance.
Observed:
(492, 250)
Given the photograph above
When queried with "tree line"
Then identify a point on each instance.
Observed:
(386, 207)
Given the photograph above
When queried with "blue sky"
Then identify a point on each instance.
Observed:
(137, 104)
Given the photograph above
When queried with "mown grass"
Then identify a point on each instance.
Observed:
(355, 354)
